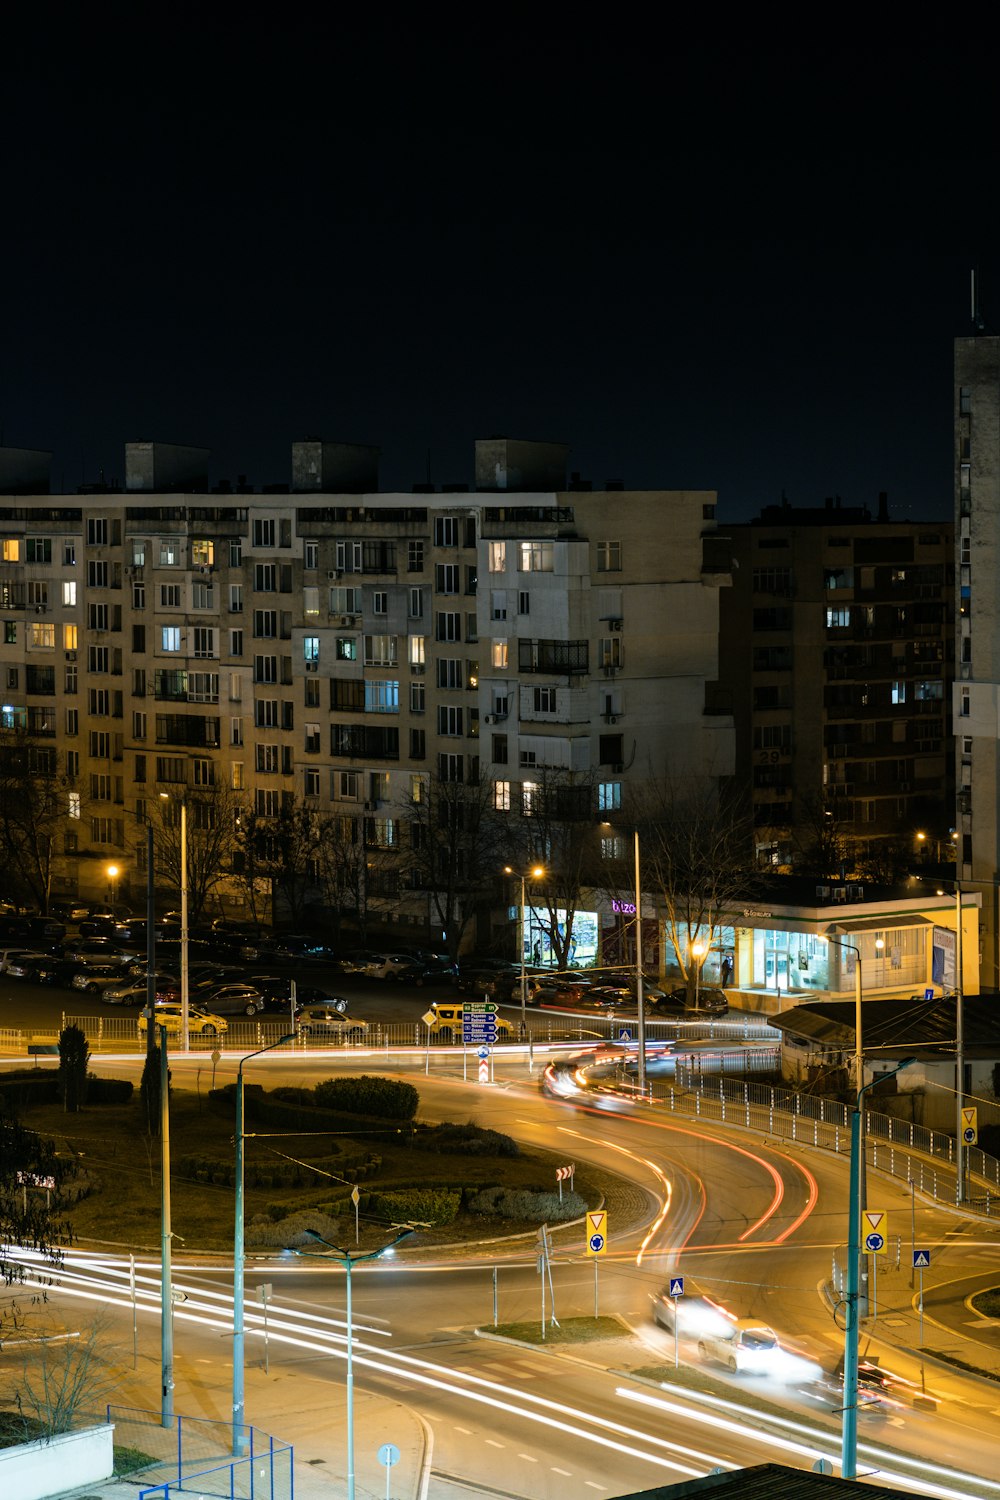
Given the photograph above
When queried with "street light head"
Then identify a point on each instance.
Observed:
(113, 871)
(537, 872)
(880, 943)
(508, 870)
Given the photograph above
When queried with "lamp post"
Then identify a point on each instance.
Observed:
(858, 1050)
(640, 992)
(536, 874)
(113, 873)
(185, 987)
(239, 1437)
(348, 1261)
(166, 1234)
(697, 953)
(849, 1425)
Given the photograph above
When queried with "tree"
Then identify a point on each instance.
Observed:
(356, 869)
(211, 839)
(282, 855)
(696, 859)
(34, 812)
(456, 849)
(556, 831)
(74, 1055)
(28, 1211)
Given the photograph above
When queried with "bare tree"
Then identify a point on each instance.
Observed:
(62, 1377)
(456, 850)
(696, 852)
(556, 832)
(211, 839)
(29, 1208)
(34, 815)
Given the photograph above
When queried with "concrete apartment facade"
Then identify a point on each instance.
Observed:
(977, 646)
(836, 663)
(334, 646)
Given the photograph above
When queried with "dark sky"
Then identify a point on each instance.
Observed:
(729, 267)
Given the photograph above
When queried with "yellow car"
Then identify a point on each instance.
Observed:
(200, 1022)
(447, 1022)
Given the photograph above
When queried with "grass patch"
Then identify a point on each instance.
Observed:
(130, 1460)
(568, 1331)
(987, 1303)
(16, 1428)
(122, 1166)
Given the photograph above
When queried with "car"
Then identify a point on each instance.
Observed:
(168, 987)
(711, 1002)
(695, 1316)
(49, 970)
(93, 950)
(607, 997)
(94, 978)
(200, 1022)
(447, 1023)
(356, 962)
(323, 1020)
(491, 984)
(232, 999)
(97, 926)
(277, 993)
(747, 1346)
(423, 971)
(16, 956)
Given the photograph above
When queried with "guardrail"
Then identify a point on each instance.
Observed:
(913, 1153)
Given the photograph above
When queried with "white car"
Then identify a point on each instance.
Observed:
(17, 956)
(323, 1020)
(746, 1345)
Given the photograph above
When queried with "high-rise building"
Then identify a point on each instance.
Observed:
(328, 645)
(977, 689)
(836, 663)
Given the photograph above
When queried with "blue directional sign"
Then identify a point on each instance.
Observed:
(929, 993)
(484, 1052)
(479, 1021)
(677, 1286)
(921, 1260)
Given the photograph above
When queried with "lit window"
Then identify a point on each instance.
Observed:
(69, 591)
(497, 557)
(499, 654)
(170, 638)
(536, 557)
(416, 650)
(609, 557)
(609, 796)
(501, 796)
(310, 647)
(70, 637)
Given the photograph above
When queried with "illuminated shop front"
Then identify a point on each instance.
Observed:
(537, 931)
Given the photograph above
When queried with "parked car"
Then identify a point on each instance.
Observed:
(168, 987)
(17, 956)
(424, 971)
(277, 993)
(354, 962)
(100, 925)
(491, 984)
(48, 969)
(92, 951)
(323, 1020)
(232, 999)
(447, 1022)
(94, 978)
(746, 1346)
(200, 1022)
(711, 1002)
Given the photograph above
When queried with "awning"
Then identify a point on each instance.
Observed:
(891, 922)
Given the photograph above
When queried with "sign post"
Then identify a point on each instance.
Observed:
(921, 1262)
(263, 1293)
(676, 1290)
(875, 1230)
(356, 1199)
(388, 1454)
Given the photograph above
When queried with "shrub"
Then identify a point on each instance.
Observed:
(368, 1094)
(531, 1205)
(108, 1090)
(469, 1139)
(290, 1233)
(416, 1205)
(23, 1087)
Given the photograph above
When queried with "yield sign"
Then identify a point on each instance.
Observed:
(596, 1222)
(874, 1221)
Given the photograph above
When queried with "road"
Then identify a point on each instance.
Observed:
(753, 1223)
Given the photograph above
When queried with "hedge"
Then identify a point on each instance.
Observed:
(277, 1173)
(467, 1140)
(299, 1115)
(109, 1090)
(417, 1205)
(535, 1205)
(369, 1094)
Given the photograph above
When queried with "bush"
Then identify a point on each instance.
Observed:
(416, 1205)
(23, 1087)
(469, 1139)
(368, 1094)
(530, 1205)
(290, 1233)
(74, 1054)
(109, 1090)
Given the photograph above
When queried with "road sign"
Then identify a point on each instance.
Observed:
(388, 1455)
(677, 1286)
(597, 1232)
(484, 1052)
(355, 1195)
(428, 1018)
(176, 1296)
(970, 1126)
(624, 1035)
(264, 1291)
(874, 1230)
(929, 994)
(563, 1172)
(921, 1260)
(484, 1068)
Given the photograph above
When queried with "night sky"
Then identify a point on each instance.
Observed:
(727, 268)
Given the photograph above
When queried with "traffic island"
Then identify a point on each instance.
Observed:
(566, 1331)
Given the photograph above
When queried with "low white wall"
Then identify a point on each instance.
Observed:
(32, 1471)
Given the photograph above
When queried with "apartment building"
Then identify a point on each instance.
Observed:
(977, 643)
(836, 662)
(327, 644)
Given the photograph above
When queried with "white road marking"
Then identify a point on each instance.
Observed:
(492, 1443)
(528, 1458)
(564, 1472)
(465, 1431)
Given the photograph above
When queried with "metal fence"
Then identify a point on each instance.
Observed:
(913, 1153)
(194, 1454)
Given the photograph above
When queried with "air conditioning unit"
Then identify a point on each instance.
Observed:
(332, 574)
(615, 624)
(489, 718)
(611, 718)
(71, 656)
(371, 807)
(312, 666)
(610, 670)
(618, 768)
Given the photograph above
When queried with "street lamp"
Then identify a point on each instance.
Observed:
(239, 1438)
(535, 874)
(858, 1053)
(849, 1426)
(185, 987)
(697, 953)
(347, 1260)
(113, 873)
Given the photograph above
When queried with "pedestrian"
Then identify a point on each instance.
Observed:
(727, 970)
